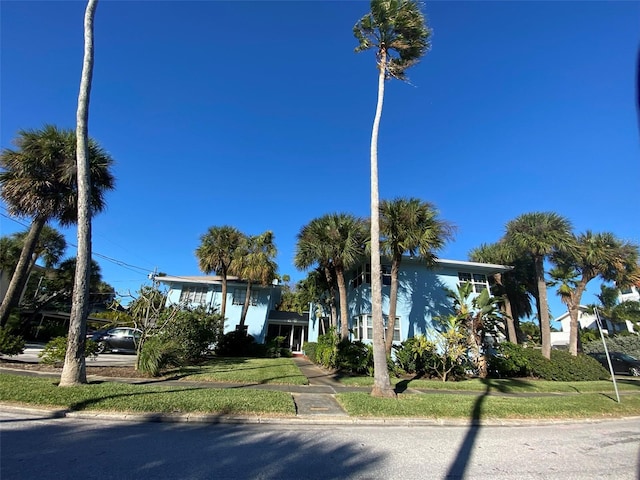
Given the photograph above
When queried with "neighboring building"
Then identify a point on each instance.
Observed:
(263, 321)
(587, 320)
(629, 294)
(422, 297)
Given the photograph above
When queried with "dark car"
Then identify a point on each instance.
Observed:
(117, 340)
(622, 363)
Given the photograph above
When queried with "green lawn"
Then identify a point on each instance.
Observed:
(120, 397)
(440, 405)
(245, 370)
(514, 385)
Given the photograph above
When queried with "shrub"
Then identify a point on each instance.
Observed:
(509, 360)
(355, 357)
(196, 330)
(275, 348)
(327, 349)
(54, 352)
(515, 361)
(629, 344)
(10, 344)
(236, 344)
(158, 353)
(310, 350)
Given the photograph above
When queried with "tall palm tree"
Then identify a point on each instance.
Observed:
(254, 263)
(409, 225)
(397, 31)
(540, 234)
(596, 255)
(336, 242)
(216, 252)
(73, 370)
(39, 181)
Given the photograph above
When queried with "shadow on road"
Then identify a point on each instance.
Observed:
(197, 451)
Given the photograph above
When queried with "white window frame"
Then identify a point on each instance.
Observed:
(363, 328)
(194, 294)
(240, 294)
(478, 281)
(363, 275)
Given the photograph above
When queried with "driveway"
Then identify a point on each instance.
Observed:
(30, 355)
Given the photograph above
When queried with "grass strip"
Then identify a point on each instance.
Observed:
(505, 385)
(120, 397)
(437, 405)
(282, 371)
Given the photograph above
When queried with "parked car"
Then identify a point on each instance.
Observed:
(622, 363)
(117, 340)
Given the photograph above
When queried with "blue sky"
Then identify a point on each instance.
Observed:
(258, 115)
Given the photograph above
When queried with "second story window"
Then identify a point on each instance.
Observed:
(240, 294)
(193, 294)
(477, 280)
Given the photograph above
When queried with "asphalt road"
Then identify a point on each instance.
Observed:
(68, 448)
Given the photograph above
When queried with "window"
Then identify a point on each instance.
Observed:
(363, 328)
(193, 294)
(477, 280)
(239, 295)
(363, 275)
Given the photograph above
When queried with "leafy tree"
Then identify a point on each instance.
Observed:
(216, 252)
(451, 346)
(335, 242)
(595, 255)
(480, 316)
(409, 225)
(254, 263)
(397, 32)
(539, 235)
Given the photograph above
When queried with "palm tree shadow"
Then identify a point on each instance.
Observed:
(459, 464)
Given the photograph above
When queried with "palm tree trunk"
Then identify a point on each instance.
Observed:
(574, 324)
(333, 321)
(74, 369)
(223, 303)
(245, 306)
(21, 272)
(508, 313)
(344, 306)
(381, 382)
(393, 303)
(543, 309)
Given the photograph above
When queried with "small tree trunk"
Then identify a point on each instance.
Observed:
(21, 272)
(381, 381)
(223, 303)
(74, 369)
(245, 306)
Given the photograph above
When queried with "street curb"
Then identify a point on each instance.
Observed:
(214, 419)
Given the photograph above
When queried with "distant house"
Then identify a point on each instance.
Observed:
(587, 320)
(422, 297)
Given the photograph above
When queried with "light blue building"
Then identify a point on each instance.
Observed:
(422, 297)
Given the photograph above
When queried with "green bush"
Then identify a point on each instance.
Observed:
(275, 348)
(158, 353)
(54, 352)
(509, 360)
(10, 344)
(310, 350)
(196, 331)
(355, 357)
(515, 361)
(629, 344)
(327, 349)
(237, 344)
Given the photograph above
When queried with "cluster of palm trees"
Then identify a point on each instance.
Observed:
(228, 252)
(537, 239)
